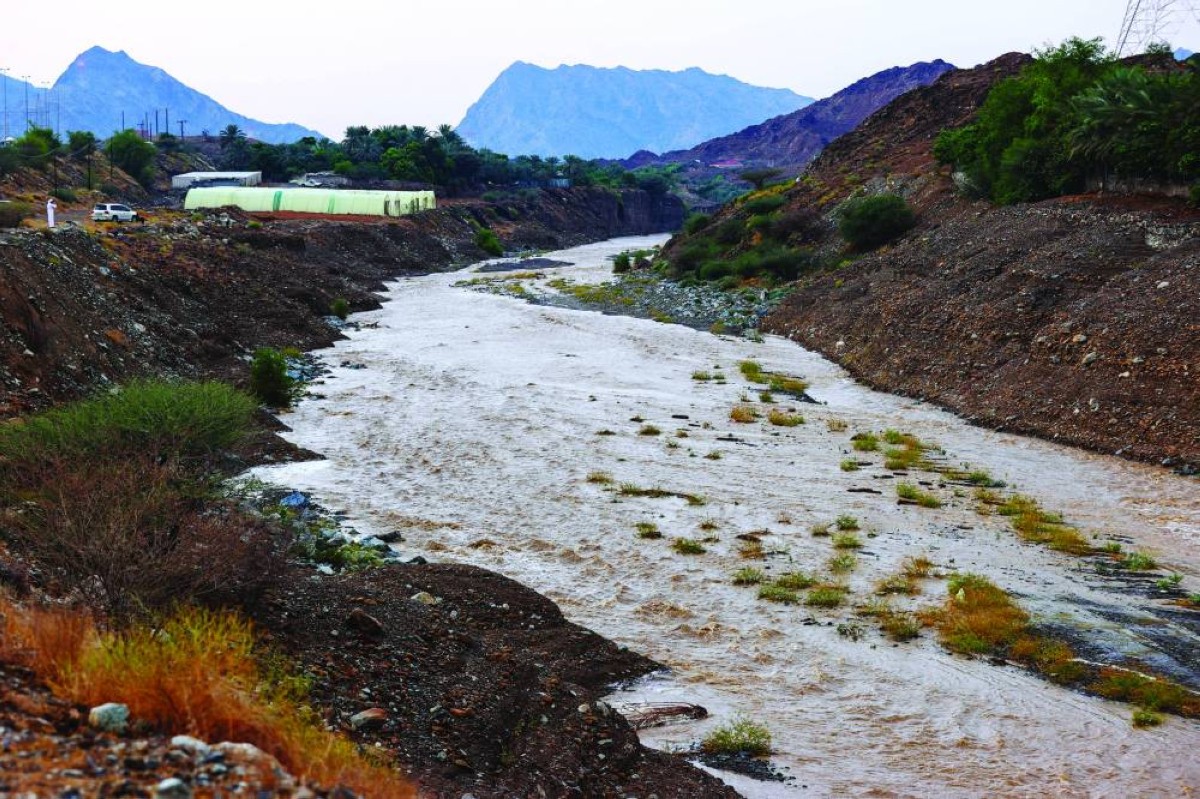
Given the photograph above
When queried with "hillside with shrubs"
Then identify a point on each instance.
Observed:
(913, 258)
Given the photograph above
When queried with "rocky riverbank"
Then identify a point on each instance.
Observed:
(473, 683)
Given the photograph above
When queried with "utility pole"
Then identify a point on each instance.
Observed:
(166, 120)
(1149, 22)
(26, 79)
(181, 124)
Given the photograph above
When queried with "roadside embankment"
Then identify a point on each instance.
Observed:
(194, 295)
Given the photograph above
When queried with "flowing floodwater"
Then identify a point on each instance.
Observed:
(470, 423)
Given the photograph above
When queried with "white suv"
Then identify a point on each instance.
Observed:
(113, 212)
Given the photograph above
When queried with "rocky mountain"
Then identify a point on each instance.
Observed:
(100, 85)
(794, 139)
(609, 113)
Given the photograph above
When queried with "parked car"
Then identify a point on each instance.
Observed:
(113, 212)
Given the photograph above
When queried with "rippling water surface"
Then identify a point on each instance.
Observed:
(474, 426)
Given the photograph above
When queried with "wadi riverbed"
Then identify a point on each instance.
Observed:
(497, 432)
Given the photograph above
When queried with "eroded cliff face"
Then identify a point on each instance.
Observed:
(195, 296)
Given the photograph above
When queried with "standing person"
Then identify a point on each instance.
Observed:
(51, 206)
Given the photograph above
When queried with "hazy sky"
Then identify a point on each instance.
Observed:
(331, 64)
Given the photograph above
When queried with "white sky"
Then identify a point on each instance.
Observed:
(330, 65)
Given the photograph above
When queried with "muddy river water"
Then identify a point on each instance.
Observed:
(471, 423)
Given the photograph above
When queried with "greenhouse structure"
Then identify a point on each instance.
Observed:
(312, 201)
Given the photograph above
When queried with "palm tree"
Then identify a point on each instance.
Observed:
(229, 134)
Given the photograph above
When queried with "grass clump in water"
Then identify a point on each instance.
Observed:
(846, 522)
(795, 581)
(743, 414)
(1037, 526)
(846, 541)
(649, 430)
(843, 563)
(688, 546)
(702, 376)
(826, 596)
(782, 418)
(748, 575)
(648, 530)
(865, 442)
(600, 478)
(849, 465)
(752, 371)
(1139, 562)
(909, 492)
(741, 737)
(773, 592)
(836, 425)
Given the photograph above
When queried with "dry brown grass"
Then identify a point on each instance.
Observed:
(198, 673)
(743, 414)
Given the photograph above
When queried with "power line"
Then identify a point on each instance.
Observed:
(1148, 22)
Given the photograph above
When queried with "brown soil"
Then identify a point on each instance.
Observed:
(490, 691)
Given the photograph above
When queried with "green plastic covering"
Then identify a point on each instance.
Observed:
(312, 201)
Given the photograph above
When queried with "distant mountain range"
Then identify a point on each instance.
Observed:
(792, 140)
(609, 113)
(100, 85)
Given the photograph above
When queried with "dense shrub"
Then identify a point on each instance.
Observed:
(182, 418)
(487, 241)
(11, 214)
(764, 204)
(621, 263)
(870, 222)
(103, 494)
(269, 378)
(730, 232)
(802, 224)
(67, 195)
(340, 308)
(695, 223)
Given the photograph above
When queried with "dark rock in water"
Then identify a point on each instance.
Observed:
(416, 560)
(390, 537)
(752, 767)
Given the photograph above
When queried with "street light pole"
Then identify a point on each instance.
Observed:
(26, 79)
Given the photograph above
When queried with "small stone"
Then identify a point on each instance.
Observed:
(1124, 374)
(368, 719)
(172, 788)
(425, 598)
(364, 622)
(190, 744)
(1163, 284)
(1090, 358)
(109, 717)
(1079, 339)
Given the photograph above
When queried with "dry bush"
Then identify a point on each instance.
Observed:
(198, 673)
(128, 535)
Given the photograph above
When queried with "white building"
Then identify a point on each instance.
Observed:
(196, 179)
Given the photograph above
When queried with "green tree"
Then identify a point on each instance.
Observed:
(230, 134)
(758, 178)
(1015, 151)
(81, 143)
(132, 154)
